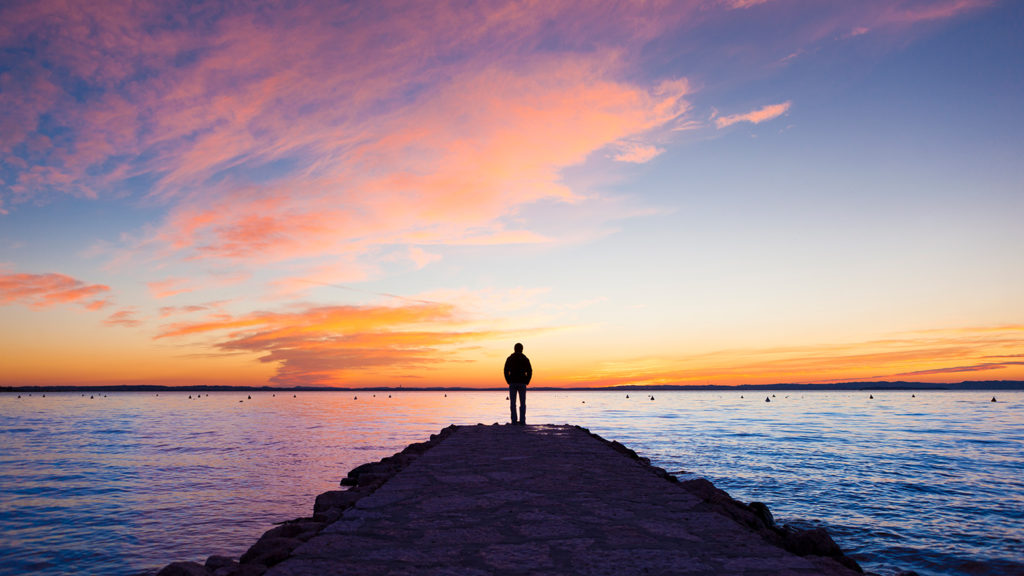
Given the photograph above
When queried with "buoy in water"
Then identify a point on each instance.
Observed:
(627, 395)
(871, 396)
(993, 398)
(767, 399)
(249, 398)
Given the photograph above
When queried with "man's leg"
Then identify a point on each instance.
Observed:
(522, 404)
(512, 402)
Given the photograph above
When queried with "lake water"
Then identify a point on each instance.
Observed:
(125, 483)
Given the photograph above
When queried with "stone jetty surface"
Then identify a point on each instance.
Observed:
(503, 499)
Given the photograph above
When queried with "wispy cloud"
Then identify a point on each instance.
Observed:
(45, 290)
(126, 317)
(931, 355)
(637, 153)
(330, 345)
(168, 287)
(763, 114)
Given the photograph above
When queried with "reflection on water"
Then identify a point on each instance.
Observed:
(125, 483)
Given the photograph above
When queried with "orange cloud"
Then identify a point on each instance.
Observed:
(338, 345)
(762, 114)
(126, 317)
(929, 355)
(44, 290)
(167, 288)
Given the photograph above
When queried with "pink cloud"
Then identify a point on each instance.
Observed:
(126, 317)
(44, 290)
(917, 11)
(762, 114)
(168, 287)
(637, 153)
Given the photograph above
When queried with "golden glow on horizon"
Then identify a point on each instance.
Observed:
(322, 196)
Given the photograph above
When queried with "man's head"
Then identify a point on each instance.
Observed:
(519, 347)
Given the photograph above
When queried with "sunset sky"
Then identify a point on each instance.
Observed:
(394, 193)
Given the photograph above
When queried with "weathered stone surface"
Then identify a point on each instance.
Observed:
(184, 569)
(544, 500)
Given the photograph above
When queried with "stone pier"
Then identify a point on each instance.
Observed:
(531, 500)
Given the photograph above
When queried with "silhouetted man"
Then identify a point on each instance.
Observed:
(517, 374)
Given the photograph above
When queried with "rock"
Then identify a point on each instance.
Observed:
(300, 530)
(218, 562)
(760, 509)
(270, 551)
(184, 569)
(816, 542)
(335, 499)
(254, 569)
(328, 516)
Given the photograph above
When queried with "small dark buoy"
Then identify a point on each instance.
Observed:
(273, 395)
(90, 397)
(741, 396)
(19, 395)
(240, 401)
(389, 396)
(189, 396)
(583, 402)
(294, 396)
(506, 397)
(627, 395)
(871, 396)
(652, 397)
(355, 397)
(913, 395)
(767, 399)
(44, 395)
(249, 398)
(993, 398)
(445, 395)
(773, 395)
(374, 395)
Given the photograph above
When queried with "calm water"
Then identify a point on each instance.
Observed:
(125, 483)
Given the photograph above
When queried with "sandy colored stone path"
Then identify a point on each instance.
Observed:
(537, 500)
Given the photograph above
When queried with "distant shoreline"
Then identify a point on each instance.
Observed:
(841, 386)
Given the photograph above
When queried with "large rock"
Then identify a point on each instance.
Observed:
(336, 499)
(300, 530)
(215, 563)
(184, 569)
(270, 551)
(814, 542)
